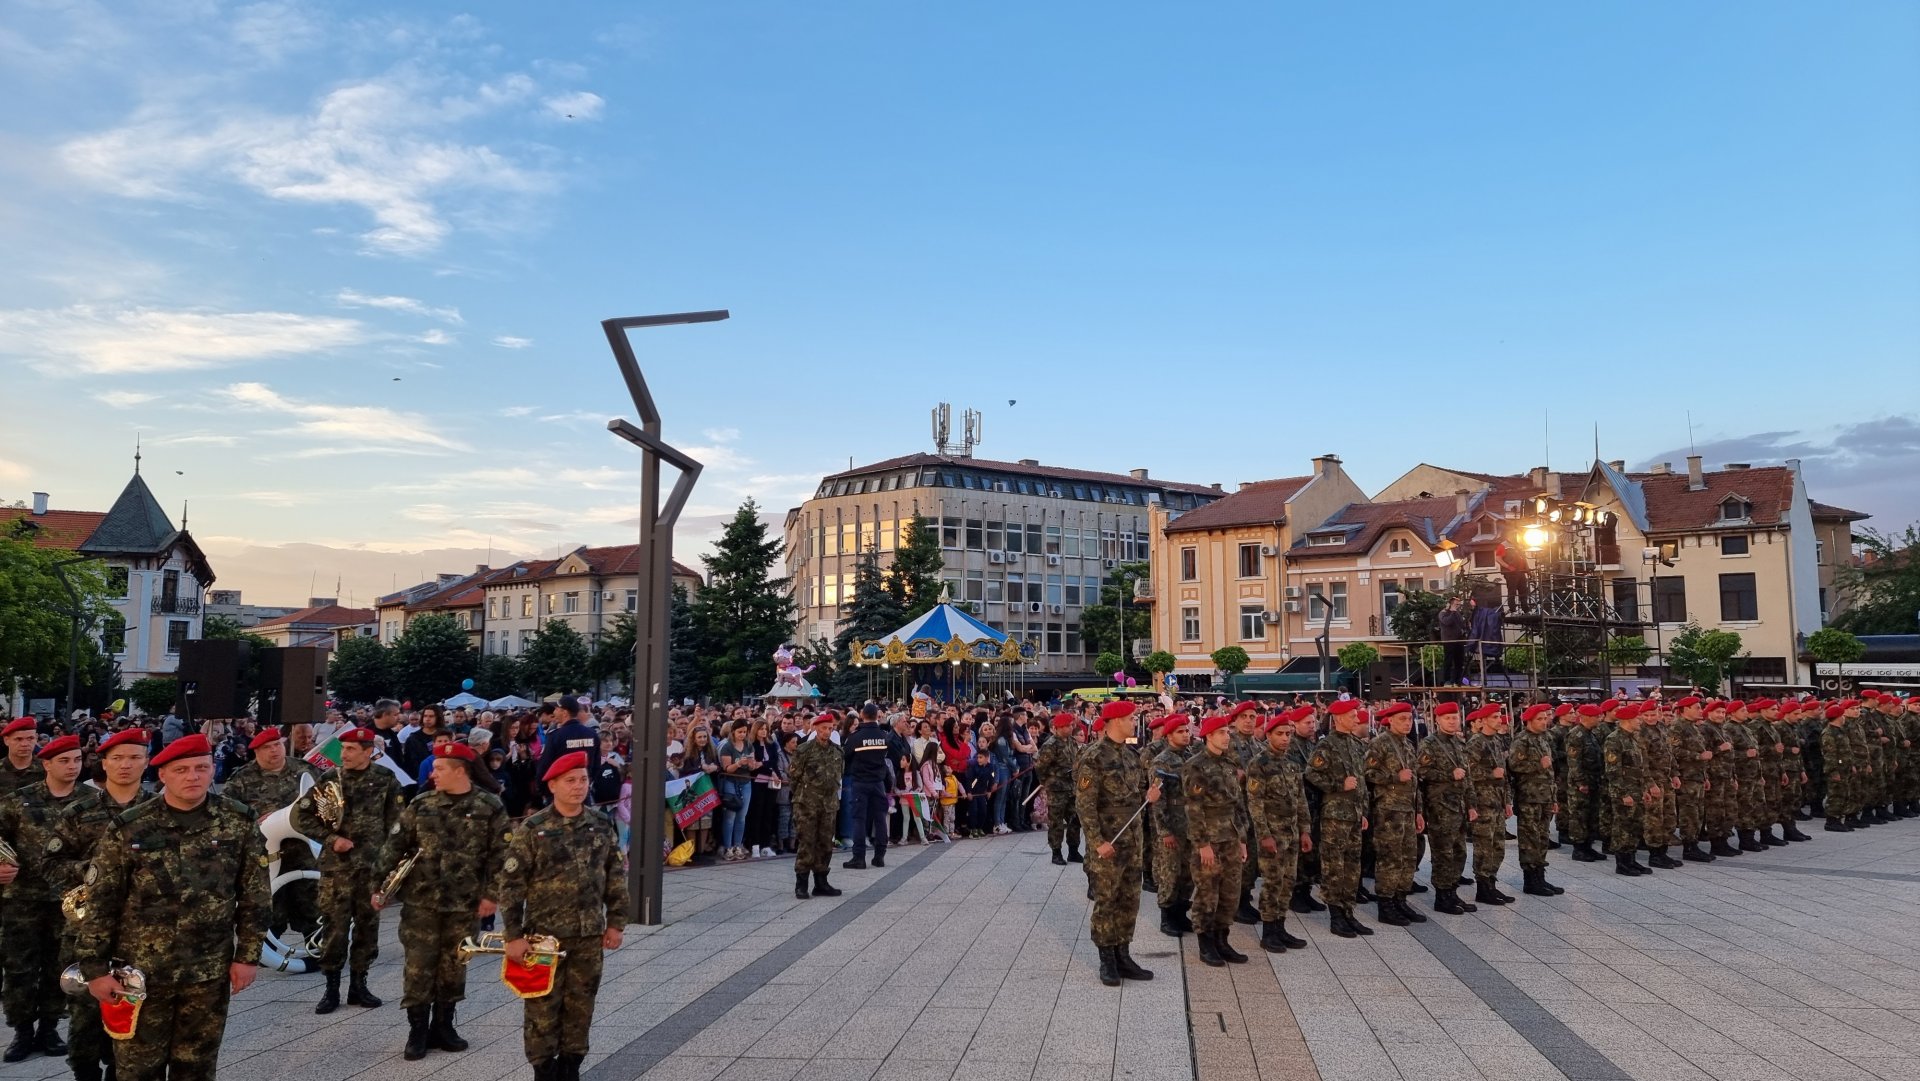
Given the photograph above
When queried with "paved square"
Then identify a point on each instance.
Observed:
(970, 962)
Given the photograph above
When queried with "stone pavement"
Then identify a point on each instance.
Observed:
(970, 962)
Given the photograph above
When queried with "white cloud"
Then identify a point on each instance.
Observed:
(351, 429)
(435, 337)
(275, 29)
(383, 145)
(508, 341)
(580, 105)
(198, 439)
(99, 340)
(721, 435)
(124, 399)
(352, 298)
(12, 471)
(518, 410)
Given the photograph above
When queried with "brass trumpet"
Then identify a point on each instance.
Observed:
(133, 983)
(495, 943)
(330, 802)
(391, 885)
(8, 855)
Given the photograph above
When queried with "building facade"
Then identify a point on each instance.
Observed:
(321, 626)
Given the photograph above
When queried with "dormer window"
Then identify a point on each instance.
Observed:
(1485, 529)
(1735, 509)
(1322, 539)
(1399, 546)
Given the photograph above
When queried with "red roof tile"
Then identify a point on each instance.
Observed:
(1827, 512)
(1672, 508)
(330, 615)
(1260, 503)
(55, 529)
(1426, 517)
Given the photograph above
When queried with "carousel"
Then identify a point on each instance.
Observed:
(955, 656)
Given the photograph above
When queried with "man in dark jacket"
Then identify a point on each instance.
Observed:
(870, 765)
(574, 734)
(1452, 627)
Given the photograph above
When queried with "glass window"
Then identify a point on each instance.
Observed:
(571, 602)
(176, 634)
(1390, 595)
(1054, 638)
(1070, 544)
(1033, 538)
(949, 532)
(966, 480)
(973, 535)
(996, 537)
(1739, 598)
(1026, 487)
(116, 581)
(1053, 540)
(1189, 624)
(1670, 599)
(1338, 591)
(1053, 589)
(1073, 639)
(1108, 548)
(526, 639)
(1626, 599)
(1318, 596)
(1091, 589)
(1736, 545)
(1249, 561)
(526, 606)
(113, 633)
(1016, 587)
(1036, 588)
(1252, 628)
(996, 589)
(976, 585)
(1073, 589)
(1079, 491)
(1189, 564)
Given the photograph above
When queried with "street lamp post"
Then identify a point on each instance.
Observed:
(647, 770)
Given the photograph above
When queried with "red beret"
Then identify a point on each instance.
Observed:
(194, 746)
(357, 735)
(1539, 709)
(1835, 712)
(1298, 714)
(1113, 711)
(826, 717)
(1563, 709)
(1063, 720)
(1765, 703)
(1344, 706)
(1715, 704)
(1282, 719)
(19, 724)
(456, 749)
(1240, 708)
(1590, 710)
(564, 764)
(1394, 709)
(1365, 716)
(134, 737)
(1690, 700)
(1870, 693)
(269, 734)
(1481, 713)
(1215, 723)
(1446, 709)
(59, 745)
(1626, 712)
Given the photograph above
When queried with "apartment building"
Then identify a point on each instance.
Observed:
(587, 589)
(323, 626)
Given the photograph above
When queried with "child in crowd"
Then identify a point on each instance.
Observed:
(931, 776)
(979, 794)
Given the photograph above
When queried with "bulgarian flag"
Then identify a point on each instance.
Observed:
(327, 756)
(691, 798)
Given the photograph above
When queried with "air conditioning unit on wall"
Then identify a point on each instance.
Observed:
(1291, 606)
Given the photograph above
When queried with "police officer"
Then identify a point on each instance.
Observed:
(869, 751)
(349, 858)
(573, 735)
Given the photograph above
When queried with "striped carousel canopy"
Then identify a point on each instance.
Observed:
(943, 623)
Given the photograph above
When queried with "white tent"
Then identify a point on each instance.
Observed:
(512, 701)
(470, 701)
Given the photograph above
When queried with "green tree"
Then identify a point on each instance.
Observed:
(497, 677)
(1831, 645)
(1626, 651)
(915, 575)
(1880, 594)
(1358, 657)
(1415, 618)
(228, 629)
(1704, 658)
(1159, 663)
(686, 674)
(1433, 659)
(1107, 663)
(1100, 626)
(613, 657)
(1231, 659)
(556, 659)
(154, 695)
(873, 611)
(36, 611)
(744, 613)
(430, 659)
(361, 670)
(818, 655)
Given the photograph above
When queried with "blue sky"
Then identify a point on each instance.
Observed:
(1212, 242)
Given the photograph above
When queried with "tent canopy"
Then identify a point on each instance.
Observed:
(471, 701)
(512, 701)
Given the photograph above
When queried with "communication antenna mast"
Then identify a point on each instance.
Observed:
(970, 438)
(942, 428)
(971, 422)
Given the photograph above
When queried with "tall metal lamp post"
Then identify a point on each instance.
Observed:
(647, 770)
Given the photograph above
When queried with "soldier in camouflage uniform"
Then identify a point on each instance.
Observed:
(1564, 729)
(1887, 711)
(1748, 772)
(20, 768)
(1881, 753)
(1487, 770)
(1172, 855)
(1660, 816)
(1723, 785)
(123, 758)
(1247, 725)
(1530, 763)
(1862, 791)
(1147, 750)
(177, 888)
(564, 876)
(1277, 803)
(1446, 794)
(1837, 760)
(1338, 770)
(1629, 786)
(1109, 787)
(266, 784)
(32, 922)
(1586, 785)
(1217, 820)
(1054, 766)
(1687, 743)
(1396, 815)
(1795, 787)
(460, 832)
(349, 857)
(1910, 755)
(1306, 734)
(813, 778)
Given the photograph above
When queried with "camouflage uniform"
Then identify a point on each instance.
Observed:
(1490, 799)
(1216, 815)
(296, 904)
(1586, 786)
(1337, 757)
(1860, 790)
(564, 877)
(461, 840)
(1686, 742)
(1395, 805)
(1277, 804)
(13, 778)
(179, 895)
(1910, 757)
(1109, 786)
(1054, 765)
(1879, 753)
(79, 828)
(1307, 872)
(1747, 770)
(31, 921)
(1446, 800)
(1562, 734)
(1626, 762)
(1838, 754)
(348, 879)
(1766, 794)
(1658, 816)
(1147, 750)
(814, 779)
(1172, 851)
(1717, 817)
(1530, 764)
(1792, 764)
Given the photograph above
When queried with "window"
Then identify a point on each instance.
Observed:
(1399, 546)
(1820, 552)
(493, 608)
(1053, 589)
(1033, 538)
(1484, 529)
(976, 586)
(1735, 544)
(176, 634)
(1108, 549)
(996, 589)
(1735, 509)
(1249, 561)
(488, 648)
(1189, 624)
(1013, 537)
(1073, 590)
(1823, 605)
(633, 600)
(1092, 590)
(1252, 627)
(1055, 642)
(116, 581)
(113, 634)
(526, 639)
(1016, 587)
(996, 537)
(1035, 587)
(1053, 540)
(1670, 599)
(1324, 540)
(1073, 638)
(1739, 598)
(170, 588)
(973, 534)
(949, 532)
(570, 602)
(1189, 564)
(1319, 595)
(1764, 670)
(1390, 595)
(393, 629)
(1626, 599)
(526, 606)
(1483, 559)
(1070, 544)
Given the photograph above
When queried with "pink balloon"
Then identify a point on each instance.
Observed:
(1119, 677)
(1131, 682)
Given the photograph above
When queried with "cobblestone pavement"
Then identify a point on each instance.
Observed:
(970, 962)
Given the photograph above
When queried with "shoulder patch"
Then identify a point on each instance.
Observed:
(53, 845)
(512, 864)
(1086, 782)
(1253, 784)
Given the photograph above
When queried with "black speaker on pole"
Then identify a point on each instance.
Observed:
(293, 685)
(212, 678)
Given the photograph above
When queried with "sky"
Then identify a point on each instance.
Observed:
(339, 268)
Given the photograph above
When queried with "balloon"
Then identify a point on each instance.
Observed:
(408, 704)
(1119, 677)
(466, 685)
(1131, 682)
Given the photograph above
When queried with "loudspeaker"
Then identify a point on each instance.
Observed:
(212, 678)
(293, 685)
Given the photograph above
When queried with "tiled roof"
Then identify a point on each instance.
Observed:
(1672, 508)
(1365, 522)
(67, 529)
(134, 524)
(1050, 471)
(1260, 503)
(327, 615)
(1827, 512)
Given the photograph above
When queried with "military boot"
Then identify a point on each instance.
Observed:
(1750, 841)
(1693, 853)
(857, 863)
(1361, 896)
(547, 1070)
(1129, 968)
(1225, 949)
(1664, 862)
(1340, 922)
(1389, 913)
(1359, 928)
(1416, 888)
(22, 1045)
(416, 1034)
(821, 887)
(1109, 966)
(1837, 825)
(1584, 853)
(1302, 900)
(1534, 879)
(1147, 884)
(1246, 913)
(1792, 832)
(800, 890)
(441, 1035)
(1209, 955)
(1073, 852)
(1722, 848)
(48, 1038)
(1273, 937)
(569, 1068)
(330, 999)
(1170, 922)
(1407, 910)
(1058, 859)
(1768, 839)
(1623, 865)
(357, 993)
(1448, 903)
(1484, 892)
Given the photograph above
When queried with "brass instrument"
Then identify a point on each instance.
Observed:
(8, 855)
(121, 1015)
(391, 885)
(330, 801)
(73, 903)
(532, 978)
(495, 942)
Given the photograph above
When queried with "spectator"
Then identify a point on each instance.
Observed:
(700, 757)
(575, 733)
(769, 775)
(1451, 625)
(1024, 739)
(737, 766)
(783, 796)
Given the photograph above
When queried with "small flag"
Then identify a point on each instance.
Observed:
(327, 756)
(690, 799)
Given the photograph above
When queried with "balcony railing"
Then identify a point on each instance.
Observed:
(176, 606)
(1143, 589)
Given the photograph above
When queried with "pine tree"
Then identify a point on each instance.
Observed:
(915, 577)
(872, 612)
(555, 660)
(744, 613)
(685, 675)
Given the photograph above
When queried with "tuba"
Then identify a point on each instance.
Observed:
(122, 1015)
(288, 954)
(532, 978)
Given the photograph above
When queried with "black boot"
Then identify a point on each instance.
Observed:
(1837, 825)
(441, 1035)
(1226, 951)
(1584, 853)
(548, 1070)
(48, 1038)
(357, 993)
(1792, 832)
(1340, 922)
(1246, 913)
(1129, 968)
(1484, 892)
(857, 863)
(1505, 898)
(1146, 885)
(1750, 841)
(1170, 922)
(1859, 820)
(330, 999)
(1058, 859)
(1535, 879)
(1361, 896)
(1109, 966)
(416, 1034)
(1448, 903)
(1273, 936)
(1209, 955)
(1554, 843)
(1292, 941)
(1359, 928)
(1302, 901)
(1389, 913)
(1693, 853)
(1633, 866)
(22, 1044)
(1663, 861)
(1722, 848)
(1767, 838)
(800, 890)
(821, 888)
(1416, 888)
(569, 1068)
(1073, 852)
